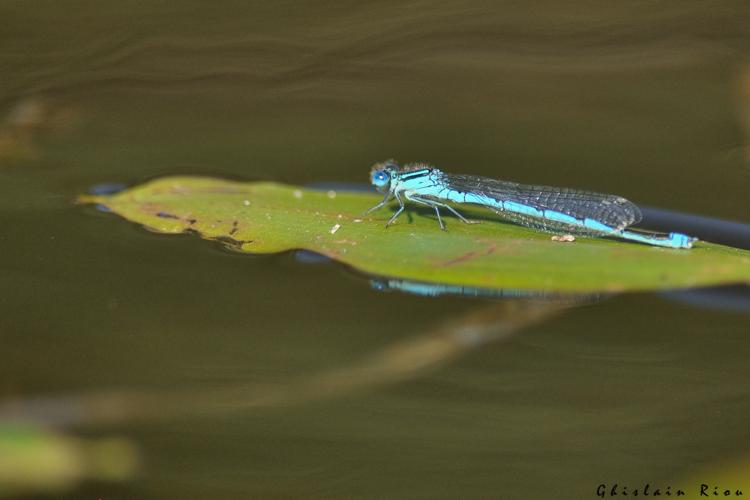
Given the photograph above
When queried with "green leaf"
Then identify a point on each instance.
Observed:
(262, 217)
(41, 460)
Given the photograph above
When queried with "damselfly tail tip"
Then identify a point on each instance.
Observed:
(682, 240)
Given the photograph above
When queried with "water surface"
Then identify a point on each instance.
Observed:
(642, 99)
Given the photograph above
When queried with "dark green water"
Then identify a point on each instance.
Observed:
(644, 99)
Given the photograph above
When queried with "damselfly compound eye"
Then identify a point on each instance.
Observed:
(380, 178)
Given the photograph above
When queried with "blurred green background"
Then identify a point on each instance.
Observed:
(649, 100)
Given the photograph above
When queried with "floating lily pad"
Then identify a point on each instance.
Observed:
(263, 217)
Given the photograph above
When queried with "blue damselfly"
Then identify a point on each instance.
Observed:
(551, 209)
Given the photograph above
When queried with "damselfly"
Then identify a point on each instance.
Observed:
(550, 209)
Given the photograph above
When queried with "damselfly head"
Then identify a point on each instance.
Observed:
(382, 174)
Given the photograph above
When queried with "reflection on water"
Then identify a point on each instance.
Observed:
(730, 298)
(27, 119)
(401, 361)
(57, 463)
(262, 377)
(438, 289)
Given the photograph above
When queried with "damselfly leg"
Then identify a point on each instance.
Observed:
(429, 203)
(398, 212)
(433, 203)
(379, 205)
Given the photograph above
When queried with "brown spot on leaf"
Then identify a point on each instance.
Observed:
(469, 256)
